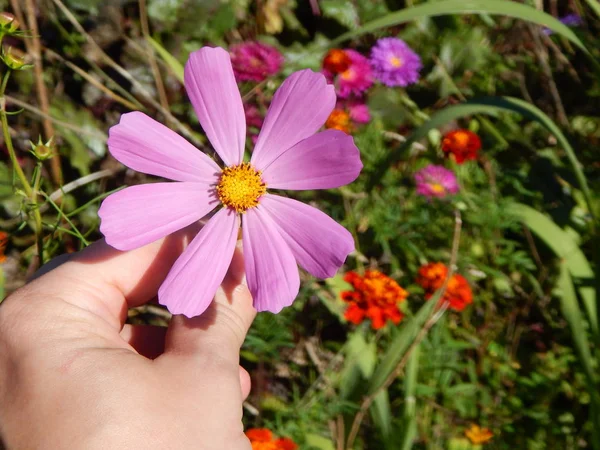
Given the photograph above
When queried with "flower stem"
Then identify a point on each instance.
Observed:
(29, 191)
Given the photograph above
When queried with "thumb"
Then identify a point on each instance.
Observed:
(221, 329)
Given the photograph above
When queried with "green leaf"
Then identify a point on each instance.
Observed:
(343, 11)
(315, 441)
(565, 247)
(499, 7)
(359, 363)
(175, 66)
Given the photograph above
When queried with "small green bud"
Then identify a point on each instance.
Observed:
(8, 23)
(14, 58)
(43, 151)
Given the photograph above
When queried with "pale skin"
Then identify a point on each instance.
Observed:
(73, 376)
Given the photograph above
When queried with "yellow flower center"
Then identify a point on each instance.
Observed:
(395, 61)
(437, 188)
(240, 187)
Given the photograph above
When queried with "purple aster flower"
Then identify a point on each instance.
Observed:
(355, 79)
(277, 232)
(394, 63)
(570, 20)
(255, 61)
(436, 181)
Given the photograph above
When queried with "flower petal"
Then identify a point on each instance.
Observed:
(271, 270)
(211, 86)
(139, 215)
(147, 146)
(325, 160)
(319, 243)
(194, 278)
(299, 108)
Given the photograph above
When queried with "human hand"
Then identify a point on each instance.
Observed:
(73, 376)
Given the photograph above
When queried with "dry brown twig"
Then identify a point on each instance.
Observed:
(34, 48)
(443, 306)
(160, 86)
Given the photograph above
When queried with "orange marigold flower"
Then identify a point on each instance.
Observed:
(375, 296)
(462, 144)
(336, 61)
(285, 444)
(458, 292)
(339, 120)
(478, 435)
(259, 435)
(3, 244)
(262, 439)
(432, 276)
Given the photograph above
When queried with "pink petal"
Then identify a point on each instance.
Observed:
(194, 278)
(147, 146)
(319, 243)
(325, 160)
(299, 108)
(139, 215)
(211, 86)
(271, 270)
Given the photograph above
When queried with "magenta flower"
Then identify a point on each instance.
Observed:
(355, 79)
(254, 61)
(394, 63)
(277, 231)
(358, 110)
(436, 181)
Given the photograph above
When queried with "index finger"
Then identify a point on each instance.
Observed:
(107, 281)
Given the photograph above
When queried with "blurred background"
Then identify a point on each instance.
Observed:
(467, 317)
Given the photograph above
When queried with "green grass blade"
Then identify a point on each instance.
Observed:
(570, 309)
(565, 247)
(175, 66)
(381, 413)
(594, 5)
(440, 8)
(400, 344)
(409, 432)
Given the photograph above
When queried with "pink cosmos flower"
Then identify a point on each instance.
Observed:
(436, 181)
(255, 61)
(277, 231)
(353, 80)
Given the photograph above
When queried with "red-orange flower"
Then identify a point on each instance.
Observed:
(375, 296)
(462, 144)
(432, 276)
(3, 244)
(262, 439)
(336, 61)
(458, 292)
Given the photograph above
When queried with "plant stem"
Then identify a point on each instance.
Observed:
(29, 191)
